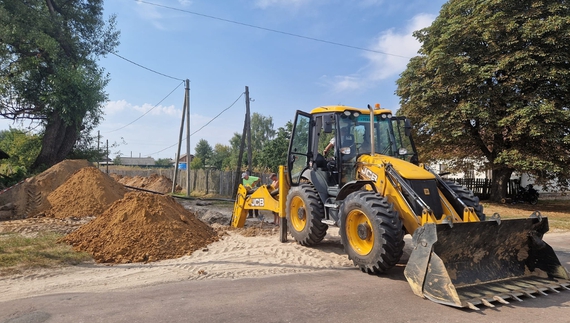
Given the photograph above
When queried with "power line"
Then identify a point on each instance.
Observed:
(214, 118)
(130, 123)
(273, 30)
(146, 68)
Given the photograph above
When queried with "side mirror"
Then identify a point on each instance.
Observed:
(328, 122)
(408, 127)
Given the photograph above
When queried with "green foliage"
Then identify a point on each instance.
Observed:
(203, 151)
(163, 162)
(274, 153)
(22, 147)
(492, 83)
(221, 157)
(117, 160)
(196, 163)
(50, 66)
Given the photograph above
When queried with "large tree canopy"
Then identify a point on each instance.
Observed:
(492, 83)
(48, 70)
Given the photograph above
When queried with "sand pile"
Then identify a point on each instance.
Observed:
(88, 192)
(142, 227)
(30, 197)
(155, 182)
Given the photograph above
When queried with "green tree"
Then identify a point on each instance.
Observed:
(203, 151)
(164, 162)
(22, 147)
(221, 157)
(196, 163)
(117, 160)
(261, 134)
(274, 152)
(491, 83)
(48, 68)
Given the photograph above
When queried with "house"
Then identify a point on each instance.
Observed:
(137, 161)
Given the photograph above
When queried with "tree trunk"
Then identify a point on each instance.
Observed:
(57, 143)
(499, 182)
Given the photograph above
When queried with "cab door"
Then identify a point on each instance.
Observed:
(299, 146)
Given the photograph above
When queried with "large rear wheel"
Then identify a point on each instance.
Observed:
(371, 232)
(305, 212)
(468, 198)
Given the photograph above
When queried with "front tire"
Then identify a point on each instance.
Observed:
(468, 198)
(371, 232)
(305, 212)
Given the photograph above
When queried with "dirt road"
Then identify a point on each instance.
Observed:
(257, 279)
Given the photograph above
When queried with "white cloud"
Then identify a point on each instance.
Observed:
(399, 48)
(158, 110)
(264, 4)
(113, 107)
(399, 45)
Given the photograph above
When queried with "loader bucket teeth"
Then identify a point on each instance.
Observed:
(477, 263)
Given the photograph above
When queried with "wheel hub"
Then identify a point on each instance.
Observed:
(364, 231)
(301, 213)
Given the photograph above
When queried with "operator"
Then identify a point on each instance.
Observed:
(249, 182)
(344, 135)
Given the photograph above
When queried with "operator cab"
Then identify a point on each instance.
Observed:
(313, 132)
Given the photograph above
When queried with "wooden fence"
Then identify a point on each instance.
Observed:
(221, 183)
(203, 181)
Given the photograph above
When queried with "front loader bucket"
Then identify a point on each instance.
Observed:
(474, 263)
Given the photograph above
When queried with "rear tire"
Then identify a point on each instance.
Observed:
(468, 198)
(371, 232)
(305, 212)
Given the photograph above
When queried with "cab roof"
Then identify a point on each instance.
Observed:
(342, 108)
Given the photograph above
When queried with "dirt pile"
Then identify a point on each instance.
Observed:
(29, 198)
(155, 182)
(86, 193)
(142, 227)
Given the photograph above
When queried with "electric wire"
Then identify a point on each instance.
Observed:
(273, 30)
(146, 68)
(130, 123)
(214, 118)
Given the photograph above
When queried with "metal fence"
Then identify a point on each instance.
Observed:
(482, 186)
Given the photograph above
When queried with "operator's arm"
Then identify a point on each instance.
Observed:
(327, 148)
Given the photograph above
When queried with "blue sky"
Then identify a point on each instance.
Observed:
(284, 73)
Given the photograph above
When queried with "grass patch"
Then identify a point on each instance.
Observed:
(19, 253)
(557, 211)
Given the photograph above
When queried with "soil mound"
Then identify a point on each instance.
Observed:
(88, 192)
(154, 182)
(29, 198)
(142, 227)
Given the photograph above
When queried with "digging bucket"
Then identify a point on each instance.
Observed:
(469, 264)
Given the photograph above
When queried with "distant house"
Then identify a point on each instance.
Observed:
(183, 158)
(183, 162)
(137, 161)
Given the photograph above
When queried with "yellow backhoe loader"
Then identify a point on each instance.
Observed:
(375, 191)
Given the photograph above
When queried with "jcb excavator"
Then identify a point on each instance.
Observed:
(374, 189)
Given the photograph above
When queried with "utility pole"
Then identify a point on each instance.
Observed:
(98, 151)
(248, 121)
(179, 145)
(187, 94)
(242, 144)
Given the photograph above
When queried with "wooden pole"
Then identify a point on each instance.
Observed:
(248, 122)
(179, 145)
(241, 148)
(187, 91)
